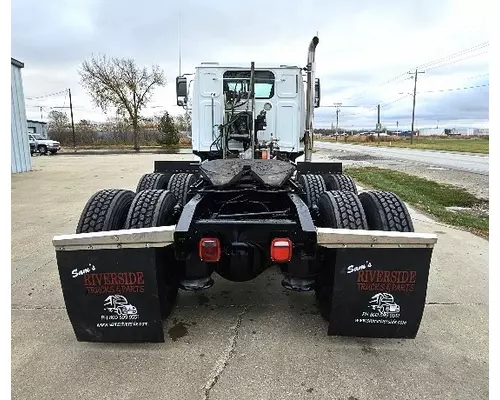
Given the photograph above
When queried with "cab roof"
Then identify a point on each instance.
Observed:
(259, 66)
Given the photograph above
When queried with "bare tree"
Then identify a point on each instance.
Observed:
(58, 127)
(183, 122)
(120, 83)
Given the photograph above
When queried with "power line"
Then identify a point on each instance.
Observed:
(453, 89)
(362, 112)
(455, 61)
(374, 107)
(394, 101)
(432, 64)
(454, 55)
(477, 76)
(394, 81)
(46, 95)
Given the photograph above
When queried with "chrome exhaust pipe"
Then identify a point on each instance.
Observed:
(311, 69)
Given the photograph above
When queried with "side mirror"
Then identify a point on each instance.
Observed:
(317, 93)
(181, 89)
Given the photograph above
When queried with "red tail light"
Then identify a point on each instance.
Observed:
(281, 250)
(209, 249)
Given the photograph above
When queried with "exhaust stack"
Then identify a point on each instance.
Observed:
(311, 69)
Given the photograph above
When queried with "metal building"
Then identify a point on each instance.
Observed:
(37, 127)
(19, 148)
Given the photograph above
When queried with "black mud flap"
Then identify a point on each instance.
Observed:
(379, 292)
(115, 295)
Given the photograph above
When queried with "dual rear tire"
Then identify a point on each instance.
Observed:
(155, 204)
(371, 210)
(115, 209)
(314, 185)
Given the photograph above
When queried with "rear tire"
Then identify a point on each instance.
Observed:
(340, 210)
(340, 182)
(151, 208)
(152, 181)
(106, 210)
(313, 186)
(179, 185)
(42, 149)
(386, 212)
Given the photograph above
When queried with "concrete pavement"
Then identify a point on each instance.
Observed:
(476, 163)
(251, 340)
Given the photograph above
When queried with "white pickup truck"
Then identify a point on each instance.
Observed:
(41, 145)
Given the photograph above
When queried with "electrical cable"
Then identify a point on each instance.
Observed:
(47, 95)
(453, 89)
(454, 62)
(429, 64)
(454, 55)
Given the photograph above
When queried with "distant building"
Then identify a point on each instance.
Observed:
(430, 132)
(20, 159)
(37, 127)
(482, 131)
(460, 131)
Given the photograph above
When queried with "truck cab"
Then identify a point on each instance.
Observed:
(226, 117)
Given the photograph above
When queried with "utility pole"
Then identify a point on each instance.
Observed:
(337, 112)
(414, 96)
(378, 117)
(378, 123)
(72, 122)
(337, 125)
(397, 128)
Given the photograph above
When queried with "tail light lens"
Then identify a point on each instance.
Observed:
(281, 250)
(209, 249)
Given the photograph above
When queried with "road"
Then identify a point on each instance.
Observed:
(478, 164)
(248, 340)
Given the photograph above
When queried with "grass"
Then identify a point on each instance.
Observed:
(428, 196)
(470, 145)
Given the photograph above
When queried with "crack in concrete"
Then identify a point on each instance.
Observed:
(32, 272)
(223, 361)
(30, 308)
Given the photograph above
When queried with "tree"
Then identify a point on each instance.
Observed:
(120, 83)
(58, 120)
(183, 122)
(86, 132)
(169, 134)
(58, 126)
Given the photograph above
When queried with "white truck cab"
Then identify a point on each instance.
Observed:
(278, 91)
(250, 111)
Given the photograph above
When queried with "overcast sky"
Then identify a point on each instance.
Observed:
(363, 44)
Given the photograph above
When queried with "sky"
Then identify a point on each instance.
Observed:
(362, 46)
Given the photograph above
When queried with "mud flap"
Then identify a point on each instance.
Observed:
(114, 293)
(379, 283)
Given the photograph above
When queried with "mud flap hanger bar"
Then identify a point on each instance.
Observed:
(349, 238)
(164, 236)
(120, 239)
